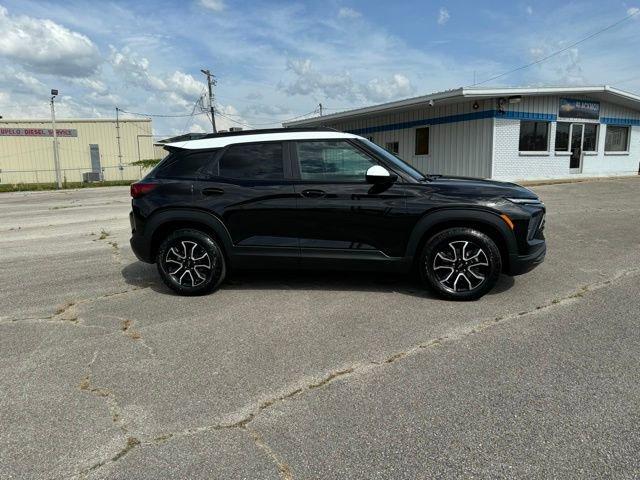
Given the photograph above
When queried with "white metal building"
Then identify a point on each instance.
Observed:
(505, 133)
(85, 145)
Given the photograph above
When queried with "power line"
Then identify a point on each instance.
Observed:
(161, 115)
(189, 121)
(266, 118)
(263, 124)
(558, 52)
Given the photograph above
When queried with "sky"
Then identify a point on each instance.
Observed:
(277, 60)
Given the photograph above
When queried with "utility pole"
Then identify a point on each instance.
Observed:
(211, 81)
(56, 154)
(118, 138)
(320, 107)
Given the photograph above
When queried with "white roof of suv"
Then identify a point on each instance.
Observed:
(228, 139)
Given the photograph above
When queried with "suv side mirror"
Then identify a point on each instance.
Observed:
(378, 175)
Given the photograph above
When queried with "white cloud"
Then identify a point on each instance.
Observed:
(382, 90)
(346, 12)
(180, 88)
(185, 84)
(134, 70)
(443, 16)
(309, 81)
(92, 84)
(215, 5)
(536, 52)
(529, 10)
(44, 46)
(21, 82)
(633, 11)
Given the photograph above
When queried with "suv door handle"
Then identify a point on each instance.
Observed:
(312, 193)
(212, 191)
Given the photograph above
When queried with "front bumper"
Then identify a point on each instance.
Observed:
(519, 264)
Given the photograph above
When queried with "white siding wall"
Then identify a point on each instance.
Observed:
(456, 148)
(510, 164)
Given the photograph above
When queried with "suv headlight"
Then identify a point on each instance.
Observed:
(525, 201)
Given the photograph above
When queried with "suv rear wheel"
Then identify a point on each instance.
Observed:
(460, 263)
(191, 262)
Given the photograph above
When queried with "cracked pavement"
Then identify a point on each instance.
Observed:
(106, 374)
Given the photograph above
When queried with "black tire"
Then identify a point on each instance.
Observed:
(191, 262)
(460, 263)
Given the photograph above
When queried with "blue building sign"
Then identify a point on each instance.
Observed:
(571, 108)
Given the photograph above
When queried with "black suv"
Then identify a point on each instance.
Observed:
(318, 198)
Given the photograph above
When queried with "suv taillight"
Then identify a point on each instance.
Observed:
(140, 189)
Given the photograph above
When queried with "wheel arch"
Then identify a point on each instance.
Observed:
(487, 222)
(162, 223)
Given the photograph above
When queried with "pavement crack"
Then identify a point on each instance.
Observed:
(67, 312)
(331, 377)
(283, 468)
(131, 443)
(249, 415)
(127, 328)
(115, 411)
(86, 385)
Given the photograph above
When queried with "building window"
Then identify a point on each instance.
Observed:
(422, 141)
(617, 139)
(562, 136)
(564, 132)
(393, 147)
(534, 136)
(590, 140)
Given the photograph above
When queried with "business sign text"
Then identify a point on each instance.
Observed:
(37, 132)
(570, 108)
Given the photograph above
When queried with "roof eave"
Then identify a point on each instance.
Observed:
(467, 93)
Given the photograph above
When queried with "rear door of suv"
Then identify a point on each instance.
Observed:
(340, 214)
(249, 187)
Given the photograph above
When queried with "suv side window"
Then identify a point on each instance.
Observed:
(253, 161)
(185, 164)
(332, 160)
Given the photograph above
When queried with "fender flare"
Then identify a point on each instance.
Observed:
(431, 220)
(187, 215)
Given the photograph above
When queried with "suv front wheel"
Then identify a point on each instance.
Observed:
(460, 263)
(191, 262)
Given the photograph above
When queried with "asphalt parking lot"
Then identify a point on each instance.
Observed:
(106, 374)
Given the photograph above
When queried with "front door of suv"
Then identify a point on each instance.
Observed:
(340, 214)
(249, 187)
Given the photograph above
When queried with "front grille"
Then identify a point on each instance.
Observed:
(536, 225)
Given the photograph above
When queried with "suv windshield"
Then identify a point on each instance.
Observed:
(396, 161)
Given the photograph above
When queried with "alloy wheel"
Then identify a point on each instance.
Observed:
(460, 266)
(188, 263)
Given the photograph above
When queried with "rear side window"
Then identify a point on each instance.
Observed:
(185, 164)
(253, 161)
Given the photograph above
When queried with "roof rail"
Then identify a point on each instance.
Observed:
(267, 130)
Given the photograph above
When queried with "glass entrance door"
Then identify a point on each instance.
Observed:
(577, 138)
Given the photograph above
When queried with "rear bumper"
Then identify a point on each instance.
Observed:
(519, 264)
(141, 249)
(140, 244)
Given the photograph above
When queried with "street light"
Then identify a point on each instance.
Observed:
(56, 159)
